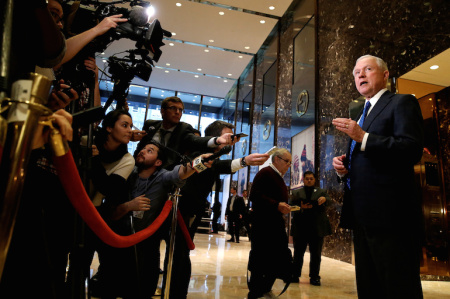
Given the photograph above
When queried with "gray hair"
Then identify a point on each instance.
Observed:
(380, 62)
(279, 152)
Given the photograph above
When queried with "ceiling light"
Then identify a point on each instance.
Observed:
(171, 44)
(178, 4)
(167, 71)
(167, 64)
(199, 70)
(262, 21)
(209, 102)
(225, 81)
(196, 76)
(230, 75)
(173, 33)
(247, 47)
(162, 95)
(434, 67)
(162, 90)
(240, 56)
(193, 100)
(206, 50)
(211, 40)
(221, 13)
(271, 7)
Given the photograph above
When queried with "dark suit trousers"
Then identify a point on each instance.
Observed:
(234, 224)
(315, 249)
(387, 263)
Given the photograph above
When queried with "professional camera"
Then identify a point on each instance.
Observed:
(87, 14)
(123, 70)
(147, 35)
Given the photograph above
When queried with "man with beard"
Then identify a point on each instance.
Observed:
(150, 185)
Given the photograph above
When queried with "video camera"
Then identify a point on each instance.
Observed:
(123, 70)
(84, 15)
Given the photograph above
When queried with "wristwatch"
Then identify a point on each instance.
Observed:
(243, 163)
(215, 141)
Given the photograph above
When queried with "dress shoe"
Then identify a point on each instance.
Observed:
(237, 241)
(231, 240)
(315, 281)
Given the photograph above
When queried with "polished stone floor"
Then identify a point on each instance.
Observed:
(219, 271)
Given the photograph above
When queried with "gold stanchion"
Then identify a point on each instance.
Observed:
(25, 109)
(174, 198)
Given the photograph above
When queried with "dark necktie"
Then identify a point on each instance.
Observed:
(163, 133)
(353, 144)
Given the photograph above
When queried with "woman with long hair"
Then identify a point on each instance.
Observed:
(110, 170)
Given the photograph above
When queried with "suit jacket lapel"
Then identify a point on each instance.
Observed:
(379, 106)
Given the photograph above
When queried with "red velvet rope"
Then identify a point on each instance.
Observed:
(185, 231)
(82, 203)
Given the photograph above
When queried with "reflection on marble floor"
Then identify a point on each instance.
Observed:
(219, 270)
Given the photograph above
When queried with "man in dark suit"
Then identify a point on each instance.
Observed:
(234, 214)
(270, 257)
(176, 135)
(191, 205)
(381, 202)
(309, 226)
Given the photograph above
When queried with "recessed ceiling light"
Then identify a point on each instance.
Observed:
(171, 44)
(199, 70)
(434, 67)
(196, 76)
(209, 102)
(221, 13)
(230, 74)
(167, 71)
(262, 21)
(211, 40)
(193, 100)
(173, 33)
(162, 95)
(167, 64)
(206, 50)
(178, 4)
(247, 47)
(225, 81)
(271, 7)
(240, 56)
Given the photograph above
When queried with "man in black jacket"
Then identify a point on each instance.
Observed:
(234, 214)
(309, 226)
(177, 135)
(191, 205)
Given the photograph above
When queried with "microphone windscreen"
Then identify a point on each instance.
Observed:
(139, 16)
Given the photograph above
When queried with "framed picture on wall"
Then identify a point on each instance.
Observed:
(302, 156)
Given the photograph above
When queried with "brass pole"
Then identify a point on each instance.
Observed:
(171, 246)
(23, 117)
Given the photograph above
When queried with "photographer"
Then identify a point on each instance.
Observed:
(309, 226)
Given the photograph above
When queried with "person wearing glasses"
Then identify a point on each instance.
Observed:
(177, 135)
(270, 257)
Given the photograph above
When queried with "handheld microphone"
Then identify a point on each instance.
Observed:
(198, 163)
